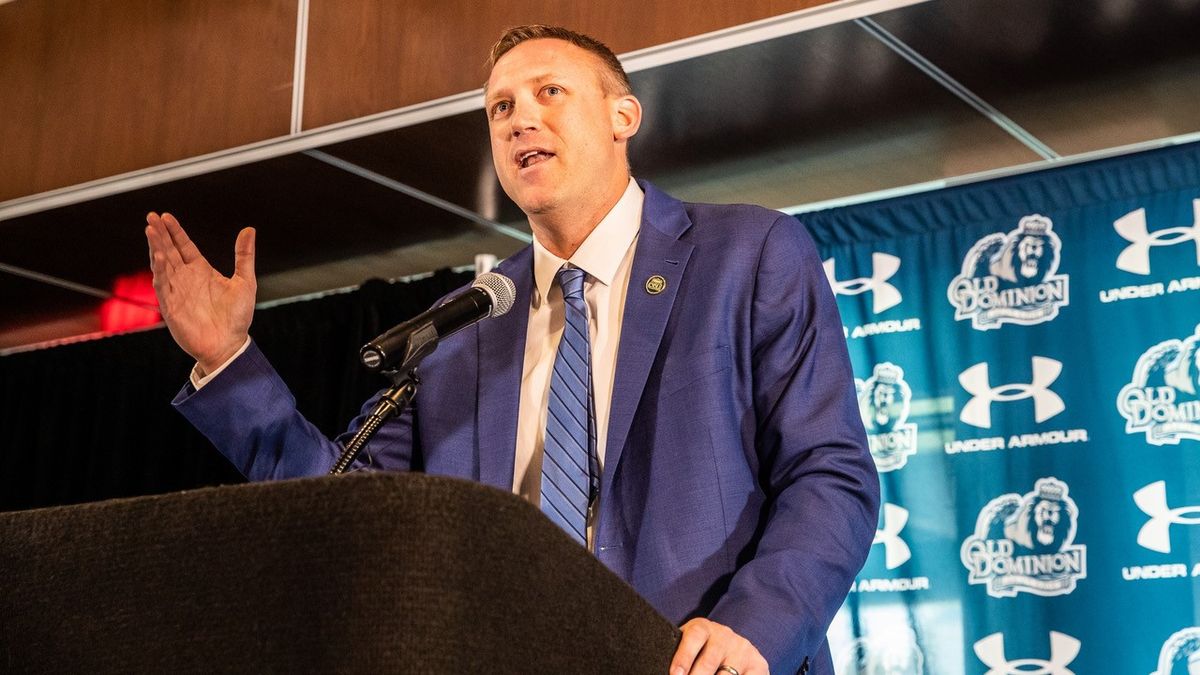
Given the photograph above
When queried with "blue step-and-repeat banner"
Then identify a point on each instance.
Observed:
(1027, 355)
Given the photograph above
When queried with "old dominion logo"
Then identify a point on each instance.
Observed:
(1180, 654)
(1011, 278)
(883, 401)
(1026, 544)
(1163, 400)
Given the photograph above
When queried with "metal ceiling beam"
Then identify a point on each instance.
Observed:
(65, 284)
(957, 88)
(413, 192)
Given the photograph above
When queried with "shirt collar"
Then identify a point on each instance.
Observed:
(602, 252)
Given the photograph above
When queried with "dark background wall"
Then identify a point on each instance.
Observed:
(93, 420)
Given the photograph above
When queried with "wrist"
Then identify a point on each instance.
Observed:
(207, 365)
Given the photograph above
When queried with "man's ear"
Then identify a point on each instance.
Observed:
(627, 117)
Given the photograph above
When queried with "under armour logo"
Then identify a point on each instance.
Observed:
(1156, 533)
(1063, 650)
(895, 550)
(978, 411)
(1132, 227)
(883, 267)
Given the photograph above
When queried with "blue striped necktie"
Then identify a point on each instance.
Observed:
(569, 464)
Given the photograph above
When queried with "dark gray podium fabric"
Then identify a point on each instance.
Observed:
(360, 573)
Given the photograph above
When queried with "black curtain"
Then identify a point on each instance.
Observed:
(93, 420)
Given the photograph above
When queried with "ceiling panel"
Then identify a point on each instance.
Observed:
(827, 113)
(821, 114)
(450, 158)
(308, 214)
(95, 88)
(36, 312)
(370, 56)
(1081, 76)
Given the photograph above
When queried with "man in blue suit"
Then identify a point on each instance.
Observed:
(735, 490)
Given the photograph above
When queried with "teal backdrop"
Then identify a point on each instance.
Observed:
(1028, 373)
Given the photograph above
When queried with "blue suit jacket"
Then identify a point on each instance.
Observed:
(737, 483)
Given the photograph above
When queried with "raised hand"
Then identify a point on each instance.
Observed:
(207, 313)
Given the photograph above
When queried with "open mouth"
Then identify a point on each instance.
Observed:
(532, 157)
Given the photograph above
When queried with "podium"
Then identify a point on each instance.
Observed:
(367, 572)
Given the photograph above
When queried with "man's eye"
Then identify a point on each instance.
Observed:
(501, 108)
(553, 90)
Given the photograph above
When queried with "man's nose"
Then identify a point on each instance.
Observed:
(525, 119)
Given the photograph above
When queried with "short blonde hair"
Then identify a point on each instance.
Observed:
(613, 78)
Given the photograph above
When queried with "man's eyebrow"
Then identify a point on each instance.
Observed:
(491, 95)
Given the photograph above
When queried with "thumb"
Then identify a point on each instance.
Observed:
(243, 255)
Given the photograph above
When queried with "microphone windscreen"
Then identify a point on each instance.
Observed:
(499, 288)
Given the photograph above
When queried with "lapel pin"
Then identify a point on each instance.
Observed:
(656, 284)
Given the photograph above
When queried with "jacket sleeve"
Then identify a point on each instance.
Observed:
(250, 415)
(820, 481)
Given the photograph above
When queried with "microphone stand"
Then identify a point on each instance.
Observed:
(420, 343)
(397, 352)
(392, 402)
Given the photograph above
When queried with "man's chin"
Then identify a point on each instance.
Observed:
(535, 205)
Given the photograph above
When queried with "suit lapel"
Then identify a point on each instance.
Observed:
(659, 253)
(501, 358)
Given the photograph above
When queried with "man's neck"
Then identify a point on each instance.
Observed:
(563, 233)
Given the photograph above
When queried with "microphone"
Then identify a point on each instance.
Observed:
(403, 347)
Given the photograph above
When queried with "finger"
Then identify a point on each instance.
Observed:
(695, 634)
(187, 250)
(156, 261)
(757, 667)
(739, 655)
(243, 255)
(150, 239)
(160, 244)
(715, 653)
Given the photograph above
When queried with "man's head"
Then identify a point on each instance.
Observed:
(560, 115)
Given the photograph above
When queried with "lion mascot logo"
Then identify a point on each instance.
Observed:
(1163, 398)
(1180, 654)
(1026, 543)
(1044, 523)
(883, 402)
(1028, 255)
(1011, 277)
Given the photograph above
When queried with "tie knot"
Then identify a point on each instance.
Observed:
(570, 279)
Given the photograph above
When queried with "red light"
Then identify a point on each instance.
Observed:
(122, 312)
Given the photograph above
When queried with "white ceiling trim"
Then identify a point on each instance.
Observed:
(299, 64)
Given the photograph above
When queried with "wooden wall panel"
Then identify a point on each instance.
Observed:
(93, 88)
(368, 56)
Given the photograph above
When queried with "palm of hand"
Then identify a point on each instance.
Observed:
(207, 313)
